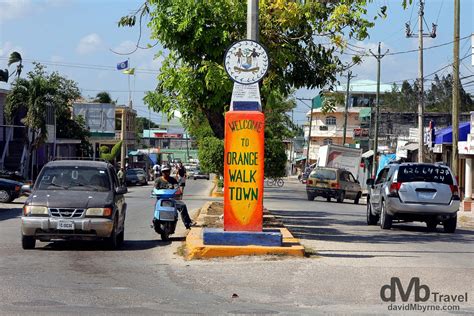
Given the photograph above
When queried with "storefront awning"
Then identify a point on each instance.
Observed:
(445, 135)
(410, 147)
(365, 112)
(368, 154)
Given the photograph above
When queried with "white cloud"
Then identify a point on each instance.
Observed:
(7, 48)
(89, 44)
(13, 9)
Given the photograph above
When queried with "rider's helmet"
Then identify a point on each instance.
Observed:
(165, 168)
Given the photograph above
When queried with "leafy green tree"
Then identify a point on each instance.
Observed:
(401, 99)
(37, 94)
(211, 155)
(141, 124)
(275, 158)
(197, 33)
(440, 97)
(103, 97)
(75, 128)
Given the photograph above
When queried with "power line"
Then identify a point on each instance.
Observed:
(365, 53)
(85, 66)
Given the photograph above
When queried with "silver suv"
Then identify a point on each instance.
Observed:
(73, 199)
(414, 192)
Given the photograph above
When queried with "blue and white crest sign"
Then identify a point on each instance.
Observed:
(246, 62)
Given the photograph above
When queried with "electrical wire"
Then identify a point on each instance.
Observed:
(85, 66)
(407, 51)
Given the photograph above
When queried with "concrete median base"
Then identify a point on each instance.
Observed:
(196, 249)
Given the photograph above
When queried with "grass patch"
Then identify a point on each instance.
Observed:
(310, 252)
(181, 251)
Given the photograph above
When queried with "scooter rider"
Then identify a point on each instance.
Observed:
(168, 182)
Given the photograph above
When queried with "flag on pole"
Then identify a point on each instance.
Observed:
(130, 71)
(122, 65)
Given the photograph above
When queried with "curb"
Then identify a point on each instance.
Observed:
(195, 248)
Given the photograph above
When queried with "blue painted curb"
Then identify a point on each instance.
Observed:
(217, 236)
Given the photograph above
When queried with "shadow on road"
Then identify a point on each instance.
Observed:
(128, 245)
(352, 228)
(14, 210)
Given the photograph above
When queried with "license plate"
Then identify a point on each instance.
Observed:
(66, 225)
(322, 184)
(425, 195)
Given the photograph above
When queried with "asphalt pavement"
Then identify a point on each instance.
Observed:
(349, 262)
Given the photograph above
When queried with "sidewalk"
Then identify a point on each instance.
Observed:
(465, 219)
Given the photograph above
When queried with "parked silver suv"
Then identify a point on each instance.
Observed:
(74, 199)
(414, 192)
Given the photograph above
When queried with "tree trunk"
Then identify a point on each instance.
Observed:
(216, 121)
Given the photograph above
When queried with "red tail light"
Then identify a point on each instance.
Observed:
(309, 181)
(454, 189)
(335, 185)
(394, 188)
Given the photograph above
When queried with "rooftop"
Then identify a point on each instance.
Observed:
(368, 86)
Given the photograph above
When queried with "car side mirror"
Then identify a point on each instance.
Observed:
(26, 188)
(121, 190)
(370, 182)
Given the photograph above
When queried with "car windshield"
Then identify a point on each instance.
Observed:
(425, 173)
(74, 178)
(134, 171)
(324, 174)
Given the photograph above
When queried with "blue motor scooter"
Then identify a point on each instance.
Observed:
(166, 211)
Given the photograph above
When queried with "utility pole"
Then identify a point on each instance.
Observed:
(377, 107)
(421, 96)
(252, 20)
(123, 139)
(309, 135)
(349, 76)
(455, 106)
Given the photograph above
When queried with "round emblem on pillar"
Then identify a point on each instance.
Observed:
(246, 62)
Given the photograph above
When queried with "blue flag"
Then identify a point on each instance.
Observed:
(122, 65)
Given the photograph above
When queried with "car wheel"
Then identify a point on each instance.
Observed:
(341, 197)
(385, 219)
(121, 237)
(28, 242)
(310, 197)
(113, 241)
(371, 218)
(356, 201)
(431, 224)
(5, 196)
(449, 225)
(328, 199)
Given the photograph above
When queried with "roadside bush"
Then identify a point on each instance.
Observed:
(275, 158)
(211, 155)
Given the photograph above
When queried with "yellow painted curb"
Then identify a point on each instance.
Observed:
(196, 249)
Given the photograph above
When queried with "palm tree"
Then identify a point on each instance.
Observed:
(15, 57)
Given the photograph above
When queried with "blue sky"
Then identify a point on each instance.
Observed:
(77, 37)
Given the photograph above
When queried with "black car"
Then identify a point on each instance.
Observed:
(73, 199)
(9, 190)
(135, 176)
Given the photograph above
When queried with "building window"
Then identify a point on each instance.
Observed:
(327, 141)
(330, 120)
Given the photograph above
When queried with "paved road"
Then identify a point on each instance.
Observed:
(353, 261)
